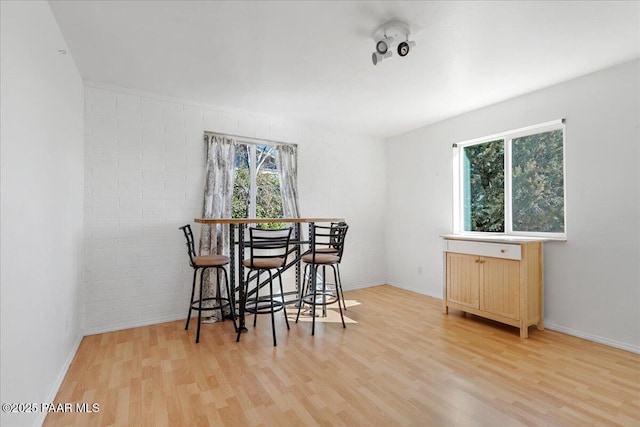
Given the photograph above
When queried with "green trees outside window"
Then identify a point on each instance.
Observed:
(514, 184)
(256, 186)
(538, 183)
(484, 187)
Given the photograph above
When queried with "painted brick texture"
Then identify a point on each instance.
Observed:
(144, 177)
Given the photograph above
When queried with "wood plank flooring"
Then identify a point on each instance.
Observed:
(403, 364)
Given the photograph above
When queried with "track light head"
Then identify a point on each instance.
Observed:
(405, 47)
(383, 45)
(377, 57)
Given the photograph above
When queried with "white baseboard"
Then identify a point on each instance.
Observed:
(58, 383)
(133, 323)
(591, 337)
(555, 327)
(419, 290)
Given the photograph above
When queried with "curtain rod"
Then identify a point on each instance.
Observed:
(248, 139)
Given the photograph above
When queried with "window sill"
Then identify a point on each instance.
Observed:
(502, 238)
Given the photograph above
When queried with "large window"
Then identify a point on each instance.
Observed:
(256, 187)
(512, 183)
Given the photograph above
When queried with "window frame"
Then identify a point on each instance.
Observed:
(252, 145)
(507, 136)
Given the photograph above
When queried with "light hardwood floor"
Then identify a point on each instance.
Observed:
(403, 363)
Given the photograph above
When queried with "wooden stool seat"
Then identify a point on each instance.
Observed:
(211, 260)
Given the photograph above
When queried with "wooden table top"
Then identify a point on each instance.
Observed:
(263, 220)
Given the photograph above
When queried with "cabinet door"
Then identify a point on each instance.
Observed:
(463, 279)
(500, 287)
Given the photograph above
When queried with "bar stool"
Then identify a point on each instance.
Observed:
(331, 248)
(268, 251)
(201, 264)
(327, 245)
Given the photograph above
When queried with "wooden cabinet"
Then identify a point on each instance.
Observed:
(496, 280)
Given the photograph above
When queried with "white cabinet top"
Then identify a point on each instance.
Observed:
(498, 238)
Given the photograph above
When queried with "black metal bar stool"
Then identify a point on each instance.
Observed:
(332, 248)
(268, 251)
(201, 264)
(327, 246)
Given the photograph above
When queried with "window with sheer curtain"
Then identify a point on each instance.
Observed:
(246, 178)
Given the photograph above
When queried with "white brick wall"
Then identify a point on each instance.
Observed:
(144, 177)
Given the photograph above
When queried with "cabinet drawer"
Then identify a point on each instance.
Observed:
(495, 250)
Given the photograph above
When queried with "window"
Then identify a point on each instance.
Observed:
(256, 186)
(512, 183)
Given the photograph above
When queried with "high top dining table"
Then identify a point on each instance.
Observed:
(239, 225)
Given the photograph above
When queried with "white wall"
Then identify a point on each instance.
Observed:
(144, 177)
(592, 281)
(42, 216)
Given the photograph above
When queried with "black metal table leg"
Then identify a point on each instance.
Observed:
(310, 247)
(232, 257)
(232, 271)
(241, 294)
(298, 238)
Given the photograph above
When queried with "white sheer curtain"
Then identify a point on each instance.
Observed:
(287, 161)
(218, 196)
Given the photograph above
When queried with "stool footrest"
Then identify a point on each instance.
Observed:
(263, 305)
(321, 298)
(196, 303)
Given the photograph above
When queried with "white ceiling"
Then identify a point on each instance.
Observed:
(311, 60)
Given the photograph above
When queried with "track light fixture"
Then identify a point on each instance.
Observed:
(386, 37)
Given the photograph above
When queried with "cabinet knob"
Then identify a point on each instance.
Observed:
(502, 251)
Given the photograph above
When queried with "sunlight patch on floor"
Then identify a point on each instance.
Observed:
(333, 313)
